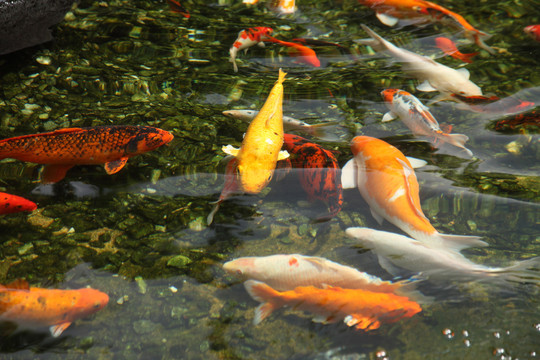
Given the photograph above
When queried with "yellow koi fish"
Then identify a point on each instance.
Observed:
(260, 150)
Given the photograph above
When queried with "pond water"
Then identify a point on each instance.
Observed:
(141, 235)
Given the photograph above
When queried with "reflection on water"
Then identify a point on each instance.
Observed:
(141, 236)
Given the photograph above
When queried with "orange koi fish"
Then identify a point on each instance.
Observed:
(533, 31)
(449, 48)
(389, 12)
(320, 172)
(176, 7)
(418, 118)
(386, 180)
(31, 307)
(62, 149)
(260, 150)
(303, 54)
(12, 204)
(364, 309)
(246, 39)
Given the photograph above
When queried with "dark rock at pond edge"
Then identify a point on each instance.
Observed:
(25, 23)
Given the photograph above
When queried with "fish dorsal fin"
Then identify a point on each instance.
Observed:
(426, 86)
(387, 19)
(66, 130)
(464, 72)
(460, 242)
(349, 175)
(57, 330)
(389, 116)
(18, 284)
(416, 163)
(54, 173)
(283, 154)
(231, 150)
(115, 166)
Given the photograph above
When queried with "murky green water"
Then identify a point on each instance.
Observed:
(141, 236)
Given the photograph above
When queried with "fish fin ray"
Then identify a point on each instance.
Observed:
(283, 154)
(115, 166)
(425, 86)
(57, 330)
(386, 19)
(53, 173)
(349, 175)
(18, 284)
(231, 150)
(464, 72)
(416, 163)
(389, 116)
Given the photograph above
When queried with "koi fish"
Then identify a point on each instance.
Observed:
(281, 7)
(399, 250)
(176, 7)
(495, 105)
(364, 309)
(246, 39)
(320, 175)
(434, 76)
(303, 54)
(31, 307)
(418, 118)
(12, 204)
(287, 272)
(386, 180)
(389, 12)
(321, 130)
(230, 187)
(533, 31)
(260, 150)
(450, 48)
(526, 120)
(62, 149)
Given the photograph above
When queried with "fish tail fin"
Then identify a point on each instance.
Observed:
(264, 294)
(232, 58)
(458, 140)
(527, 271)
(281, 76)
(478, 38)
(210, 217)
(468, 57)
(324, 131)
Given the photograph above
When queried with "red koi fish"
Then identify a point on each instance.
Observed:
(389, 12)
(176, 7)
(62, 149)
(533, 31)
(304, 54)
(31, 307)
(320, 176)
(12, 204)
(248, 38)
(449, 48)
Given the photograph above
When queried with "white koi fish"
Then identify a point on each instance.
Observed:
(418, 118)
(434, 76)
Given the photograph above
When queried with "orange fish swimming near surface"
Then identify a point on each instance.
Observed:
(60, 150)
(450, 48)
(303, 54)
(260, 150)
(12, 204)
(363, 309)
(386, 180)
(31, 307)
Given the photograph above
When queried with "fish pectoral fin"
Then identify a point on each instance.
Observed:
(115, 166)
(283, 154)
(387, 19)
(317, 262)
(426, 86)
(349, 175)
(231, 150)
(262, 312)
(54, 173)
(57, 330)
(389, 116)
(464, 72)
(377, 217)
(416, 163)
(261, 44)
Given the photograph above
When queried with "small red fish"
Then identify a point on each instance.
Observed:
(12, 204)
(320, 176)
(533, 31)
(176, 7)
(31, 307)
(449, 48)
(62, 149)
(529, 120)
(304, 54)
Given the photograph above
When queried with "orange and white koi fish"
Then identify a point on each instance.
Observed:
(287, 272)
(418, 118)
(246, 39)
(31, 307)
(281, 7)
(364, 309)
(533, 31)
(450, 48)
(386, 180)
(260, 150)
(434, 76)
(303, 54)
(13, 204)
(389, 12)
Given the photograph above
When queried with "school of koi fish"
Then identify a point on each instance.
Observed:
(384, 176)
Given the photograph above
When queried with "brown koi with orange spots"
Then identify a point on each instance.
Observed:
(320, 176)
(60, 150)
